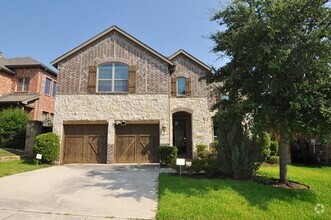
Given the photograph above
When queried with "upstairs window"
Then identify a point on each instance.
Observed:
(23, 85)
(113, 77)
(47, 86)
(54, 89)
(181, 86)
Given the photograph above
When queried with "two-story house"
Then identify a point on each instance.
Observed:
(29, 84)
(118, 100)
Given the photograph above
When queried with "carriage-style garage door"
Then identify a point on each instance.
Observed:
(137, 143)
(85, 144)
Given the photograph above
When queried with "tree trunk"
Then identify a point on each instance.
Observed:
(284, 143)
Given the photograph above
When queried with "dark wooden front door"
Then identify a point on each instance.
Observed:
(182, 135)
(137, 143)
(85, 144)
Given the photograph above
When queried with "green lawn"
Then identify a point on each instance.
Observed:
(6, 153)
(18, 166)
(185, 198)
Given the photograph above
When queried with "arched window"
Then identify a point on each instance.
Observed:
(181, 86)
(113, 77)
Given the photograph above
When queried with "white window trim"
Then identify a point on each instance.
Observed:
(112, 79)
(23, 84)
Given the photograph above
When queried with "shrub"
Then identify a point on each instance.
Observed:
(238, 153)
(168, 154)
(263, 142)
(273, 160)
(213, 147)
(13, 123)
(274, 148)
(202, 151)
(198, 165)
(48, 145)
(211, 166)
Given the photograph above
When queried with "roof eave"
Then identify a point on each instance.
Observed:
(33, 65)
(181, 51)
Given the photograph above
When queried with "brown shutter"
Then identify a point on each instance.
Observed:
(173, 86)
(188, 86)
(132, 79)
(92, 79)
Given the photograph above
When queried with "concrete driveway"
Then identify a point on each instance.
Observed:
(81, 192)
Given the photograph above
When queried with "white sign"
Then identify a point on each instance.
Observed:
(39, 156)
(188, 163)
(180, 162)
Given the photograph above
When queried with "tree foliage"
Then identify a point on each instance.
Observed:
(279, 68)
(13, 122)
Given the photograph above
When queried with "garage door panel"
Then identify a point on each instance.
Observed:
(85, 144)
(95, 151)
(137, 143)
(125, 151)
(73, 149)
(146, 149)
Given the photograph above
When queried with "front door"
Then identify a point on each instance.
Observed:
(182, 137)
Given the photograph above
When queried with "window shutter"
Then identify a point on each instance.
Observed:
(173, 86)
(92, 79)
(132, 79)
(188, 86)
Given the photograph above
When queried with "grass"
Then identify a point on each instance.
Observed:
(185, 198)
(6, 153)
(18, 166)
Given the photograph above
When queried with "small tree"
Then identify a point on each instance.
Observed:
(48, 145)
(264, 142)
(279, 68)
(13, 122)
(238, 154)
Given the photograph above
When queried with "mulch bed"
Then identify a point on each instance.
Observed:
(258, 179)
(278, 184)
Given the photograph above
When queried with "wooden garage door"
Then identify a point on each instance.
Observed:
(85, 144)
(137, 143)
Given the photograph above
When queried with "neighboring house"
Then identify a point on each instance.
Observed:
(27, 83)
(118, 100)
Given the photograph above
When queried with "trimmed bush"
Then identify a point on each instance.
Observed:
(273, 160)
(13, 123)
(274, 148)
(202, 151)
(213, 147)
(48, 145)
(168, 154)
(211, 166)
(197, 165)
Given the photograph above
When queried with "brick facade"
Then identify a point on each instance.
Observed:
(37, 78)
(6, 82)
(73, 72)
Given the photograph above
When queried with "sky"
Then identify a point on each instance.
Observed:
(46, 29)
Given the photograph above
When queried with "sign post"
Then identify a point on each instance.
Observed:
(38, 157)
(180, 162)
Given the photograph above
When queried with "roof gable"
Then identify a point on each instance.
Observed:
(6, 64)
(111, 29)
(183, 52)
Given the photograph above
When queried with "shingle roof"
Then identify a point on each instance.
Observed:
(18, 97)
(7, 63)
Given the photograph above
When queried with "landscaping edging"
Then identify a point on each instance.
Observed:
(9, 158)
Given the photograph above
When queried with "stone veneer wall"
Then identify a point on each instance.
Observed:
(134, 107)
